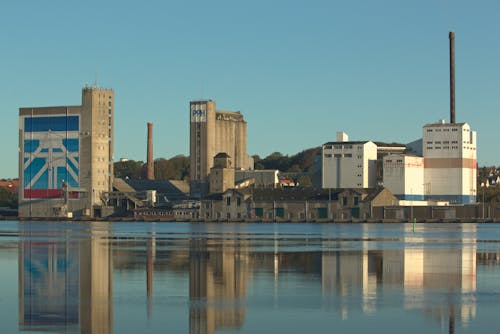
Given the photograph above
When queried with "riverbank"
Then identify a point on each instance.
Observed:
(264, 221)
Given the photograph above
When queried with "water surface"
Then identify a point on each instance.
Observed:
(127, 277)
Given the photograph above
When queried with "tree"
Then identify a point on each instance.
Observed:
(128, 169)
(8, 199)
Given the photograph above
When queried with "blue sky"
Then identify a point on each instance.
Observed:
(298, 70)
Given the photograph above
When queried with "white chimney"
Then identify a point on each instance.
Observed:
(342, 136)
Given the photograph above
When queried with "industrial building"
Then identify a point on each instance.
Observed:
(450, 162)
(66, 157)
(449, 156)
(404, 176)
(214, 131)
(349, 164)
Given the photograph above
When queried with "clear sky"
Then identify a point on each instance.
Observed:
(299, 71)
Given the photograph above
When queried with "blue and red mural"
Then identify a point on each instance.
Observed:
(51, 155)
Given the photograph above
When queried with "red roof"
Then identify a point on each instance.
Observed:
(11, 185)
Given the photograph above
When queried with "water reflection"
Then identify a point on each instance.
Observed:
(65, 284)
(218, 275)
(66, 277)
(438, 279)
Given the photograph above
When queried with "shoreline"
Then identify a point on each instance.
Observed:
(263, 221)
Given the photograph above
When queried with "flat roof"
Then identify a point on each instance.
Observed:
(347, 142)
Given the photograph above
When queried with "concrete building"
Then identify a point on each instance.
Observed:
(306, 204)
(450, 162)
(66, 157)
(349, 164)
(221, 174)
(213, 131)
(404, 176)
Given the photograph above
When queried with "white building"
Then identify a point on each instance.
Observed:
(449, 151)
(349, 164)
(404, 176)
(264, 178)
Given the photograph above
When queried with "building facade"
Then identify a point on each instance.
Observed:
(349, 164)
(66, 157)
(404, 176)
(214, 131)
(450, 157)
(221, 174)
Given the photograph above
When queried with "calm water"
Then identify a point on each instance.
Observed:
(249, 278)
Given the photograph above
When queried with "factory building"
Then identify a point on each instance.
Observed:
(450, 162)
(66, 157)
(349, 164)
(214, 131)
(404, 176)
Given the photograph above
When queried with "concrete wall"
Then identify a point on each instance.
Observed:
(404, 176)
(349, 165)
(450, 162)
(211, 132)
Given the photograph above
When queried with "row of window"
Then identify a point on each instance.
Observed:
(448, 147)
(445, 130)
(340, 147)
(444, 142)
(338, 155)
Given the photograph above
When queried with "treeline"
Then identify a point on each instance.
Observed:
(8, 199)
(177, 168)
(299, 163)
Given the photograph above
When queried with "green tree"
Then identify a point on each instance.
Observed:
(8, 199)
(129, 169)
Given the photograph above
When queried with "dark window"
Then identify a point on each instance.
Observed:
(356, 200)
(259, 212)
(280, 212)
(228, 200)
(238, 201)
(344, 201)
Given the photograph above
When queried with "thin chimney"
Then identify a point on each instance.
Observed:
(150, 163)
(452, 77)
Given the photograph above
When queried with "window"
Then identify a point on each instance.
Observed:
(337, 155)
(259, 212)
(344, 201)
(238, 201)
(429, 130)
(328, 147)
(228, 201)
(228, 215)
(356, 200)
(328, 155)
(348, 155)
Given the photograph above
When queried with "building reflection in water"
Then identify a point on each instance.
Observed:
(218, 276)
(438, 279)
(65, 282)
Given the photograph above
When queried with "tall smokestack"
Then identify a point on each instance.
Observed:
(151, 167)
(452, 77)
